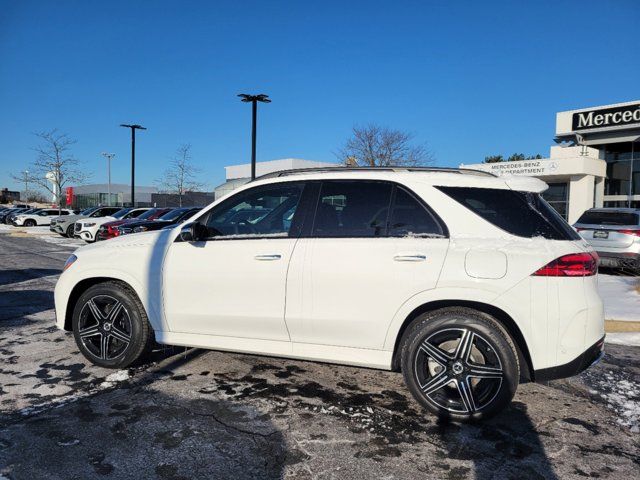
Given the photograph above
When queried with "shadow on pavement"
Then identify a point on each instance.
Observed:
(18, 303)
(507, 446)
(8, 277)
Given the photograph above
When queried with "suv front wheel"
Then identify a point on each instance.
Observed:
(460, 364)
(110, 325)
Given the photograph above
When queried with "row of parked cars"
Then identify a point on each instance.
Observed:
(97, 223)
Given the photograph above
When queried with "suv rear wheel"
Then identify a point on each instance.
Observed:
(110, 325)
(460, 363)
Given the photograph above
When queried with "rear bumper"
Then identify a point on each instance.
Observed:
(579, 364)
(619, 259)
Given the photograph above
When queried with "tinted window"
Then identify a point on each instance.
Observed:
(261, 211)
(135, 213)
(352, 209)
(120, 213)
(609, 218)
(410, 218)
(64, 212)
(524, 214)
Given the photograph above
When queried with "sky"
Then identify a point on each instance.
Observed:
(467, 78)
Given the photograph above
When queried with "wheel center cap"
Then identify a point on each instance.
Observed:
(457, 368)
(107, 327)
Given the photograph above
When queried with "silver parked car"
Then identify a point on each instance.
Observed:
(615, 235)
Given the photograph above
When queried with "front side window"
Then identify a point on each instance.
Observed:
(352, 209)
(266, 211)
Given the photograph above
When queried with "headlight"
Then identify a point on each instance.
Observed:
(92, 224)
(70, 261)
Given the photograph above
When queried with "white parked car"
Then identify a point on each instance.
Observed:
(87, 228)
(466, 282)
(40, 217)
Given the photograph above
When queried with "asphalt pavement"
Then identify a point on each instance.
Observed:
(191, 413)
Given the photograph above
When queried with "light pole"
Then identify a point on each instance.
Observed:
(254, 99)
(133, 157)
(26, 185)
(108, 156)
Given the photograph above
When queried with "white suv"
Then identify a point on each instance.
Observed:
(87, 228)
(466, 282)
(40, 217)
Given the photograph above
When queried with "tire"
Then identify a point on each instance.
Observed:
(69, 232)
(460, 364)
(29, 223)
(126, 333)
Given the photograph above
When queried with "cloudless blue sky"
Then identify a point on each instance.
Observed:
(469, 78)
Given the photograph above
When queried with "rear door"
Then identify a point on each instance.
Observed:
(370, 247)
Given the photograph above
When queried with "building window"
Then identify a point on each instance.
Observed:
(623, 169)
(557, 195)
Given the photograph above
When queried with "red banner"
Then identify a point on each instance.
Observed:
(69, 196)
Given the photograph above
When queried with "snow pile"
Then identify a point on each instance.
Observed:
(624, 338)
(621, 300)
(116, 377)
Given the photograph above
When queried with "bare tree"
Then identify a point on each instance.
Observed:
(180, 177)
(376, 146)
(54, 166)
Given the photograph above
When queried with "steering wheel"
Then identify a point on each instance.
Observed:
(244, 228)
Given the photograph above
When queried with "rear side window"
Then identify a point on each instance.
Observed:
(609, 218)
(410, 218)
(524, 214)
(352, 209)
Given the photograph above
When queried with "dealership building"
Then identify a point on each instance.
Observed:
(596, 162)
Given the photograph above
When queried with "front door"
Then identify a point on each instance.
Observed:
(233, 284)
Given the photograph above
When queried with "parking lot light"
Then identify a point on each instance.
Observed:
(254, 99)
(133, 128)
(109, 157)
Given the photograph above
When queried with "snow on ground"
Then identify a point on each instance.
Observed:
(621, 394)
(621, 300)
(624, 338)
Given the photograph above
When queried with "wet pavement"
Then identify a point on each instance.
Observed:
(191, 413)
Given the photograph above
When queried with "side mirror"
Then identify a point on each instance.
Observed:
(194, 232)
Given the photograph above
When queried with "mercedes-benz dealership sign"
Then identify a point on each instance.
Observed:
(607, 117)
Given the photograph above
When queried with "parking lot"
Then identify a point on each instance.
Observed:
(192, 413)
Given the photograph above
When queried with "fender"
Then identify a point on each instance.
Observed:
(521, 312)
(64, 289)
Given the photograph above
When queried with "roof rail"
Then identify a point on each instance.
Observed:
(296, 171)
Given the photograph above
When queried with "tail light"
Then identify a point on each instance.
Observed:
(112, 231)
(629, 232)
(572, 265)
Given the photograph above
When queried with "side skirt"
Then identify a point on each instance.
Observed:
(360, 357)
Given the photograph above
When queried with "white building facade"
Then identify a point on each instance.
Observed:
(596, 164)
(238, 175)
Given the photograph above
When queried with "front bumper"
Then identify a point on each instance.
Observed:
(589, 357)
(85, 235)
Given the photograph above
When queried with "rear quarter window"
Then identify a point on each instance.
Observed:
(524, 214)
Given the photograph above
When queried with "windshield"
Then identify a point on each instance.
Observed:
(88, 211)
(609, 218)
(173, 214)
(148, 214)
(121, 213)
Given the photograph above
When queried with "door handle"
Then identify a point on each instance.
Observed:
(410, 257)
(268, 257)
